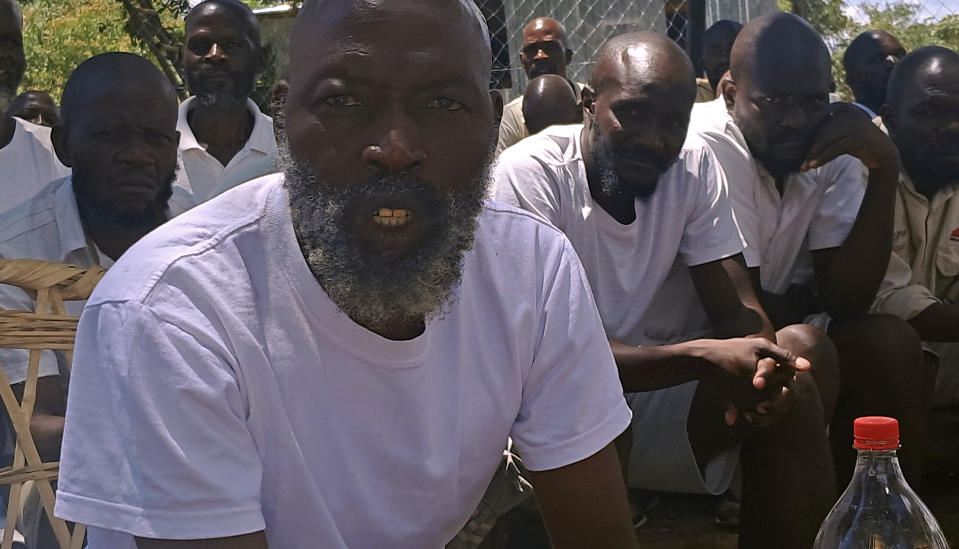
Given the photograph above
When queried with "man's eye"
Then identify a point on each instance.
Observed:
(341, 101)
(445, 104)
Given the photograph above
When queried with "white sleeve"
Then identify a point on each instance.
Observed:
(711, 232)
(156, 442)
(15, 361)
(742, 181)
(573, 404)
(523, 182)
(840, 203)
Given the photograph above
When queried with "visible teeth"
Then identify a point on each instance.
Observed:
(388, 213)
(394, 221)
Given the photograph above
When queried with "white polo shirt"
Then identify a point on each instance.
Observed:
(218, 391)
(688, 218)
(48, 227)
(815, 212)
(207, 176)
(27, 164)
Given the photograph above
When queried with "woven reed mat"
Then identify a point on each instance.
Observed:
(47, 327)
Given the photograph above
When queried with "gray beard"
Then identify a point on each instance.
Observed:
(371, 289)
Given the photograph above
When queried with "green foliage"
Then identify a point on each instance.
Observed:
(59, 34)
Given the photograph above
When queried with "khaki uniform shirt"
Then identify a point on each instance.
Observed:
(704, 91)
(924, 265)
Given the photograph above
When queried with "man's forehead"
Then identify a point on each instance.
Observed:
(216, 14)
(935, 78)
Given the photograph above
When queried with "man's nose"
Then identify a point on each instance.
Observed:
(136, 152)
(398, 151)
(215, 54)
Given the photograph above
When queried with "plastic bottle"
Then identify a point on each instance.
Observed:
(879, 510)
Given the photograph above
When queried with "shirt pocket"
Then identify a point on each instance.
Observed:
(947, 259)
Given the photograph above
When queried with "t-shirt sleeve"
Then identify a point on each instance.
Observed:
(520, 180)
(711, 232)
(573, 404)
(156, 442)
(16, 361)
(840, 203)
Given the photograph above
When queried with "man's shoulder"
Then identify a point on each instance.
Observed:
(554, 146)
(36, 132)
(35, 214)
(205, 238)
(515, 235)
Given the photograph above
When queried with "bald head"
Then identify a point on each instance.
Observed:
(779, 92)
(868, 62)
(774, 48)
(251, 25)
(550, 100)
(545, 48)
(641, 59)
(11, 9)
(922, 115)
(114, 73)
(454, 23)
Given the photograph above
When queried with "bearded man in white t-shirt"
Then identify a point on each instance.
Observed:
(335, 356)
(634, 199)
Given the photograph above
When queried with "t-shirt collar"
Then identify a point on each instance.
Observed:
(261, 138)
(70, 227)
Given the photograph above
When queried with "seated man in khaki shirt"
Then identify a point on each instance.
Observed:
(922, 283)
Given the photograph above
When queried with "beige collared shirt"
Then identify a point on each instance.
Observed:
(704, 91)
(924, 266)
(207, 176)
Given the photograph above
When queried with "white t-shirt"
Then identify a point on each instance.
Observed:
(208, 177)
(815, 212)
(688, 217)
(27, 164)
(218, 391)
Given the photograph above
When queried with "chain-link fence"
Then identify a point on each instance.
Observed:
(590, 23)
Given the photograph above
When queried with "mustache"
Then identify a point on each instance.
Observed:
(644, 156)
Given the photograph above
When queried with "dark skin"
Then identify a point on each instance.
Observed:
(780, 102)
(869, 61)
(550, 100)
(545, 48)
(421, 104)
(634, 105)
(218, 43)
(37, 107)
(13, 63)
(923, 120)
(125, 135)
(717, 43)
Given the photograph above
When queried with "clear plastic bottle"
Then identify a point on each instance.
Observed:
(879, 510)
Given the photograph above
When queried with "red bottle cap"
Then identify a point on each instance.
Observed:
(876, 433)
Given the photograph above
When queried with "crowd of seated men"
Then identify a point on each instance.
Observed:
(392, 313)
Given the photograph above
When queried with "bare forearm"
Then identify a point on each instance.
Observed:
(650, 368)
(248, 541)
(780, 310)
(47, 434)
(584, 504)
(938, 322)
(853, 276)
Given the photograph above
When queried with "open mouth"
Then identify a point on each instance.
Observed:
(392, 217)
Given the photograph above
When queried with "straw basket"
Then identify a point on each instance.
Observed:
(47, 327)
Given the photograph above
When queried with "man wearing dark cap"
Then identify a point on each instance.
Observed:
(118, 135)
(335, 356)
(717, 43)
(27, 159)
(818, 237)
(226, 140)
(550, 100)
(636, 198)
(922, 283)
(545, 51)
(868, 62)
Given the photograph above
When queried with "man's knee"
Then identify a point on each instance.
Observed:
(884, 347)
(814, 345)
